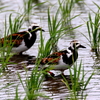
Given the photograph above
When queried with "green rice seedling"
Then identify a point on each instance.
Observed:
(41, 53)
(36, 1)
(66, 7)
(58, 25)
(33, 83)
(28, 8)
(77, 1)
(56, 31)
(78, 82)
(93, 26)
(2, 8)
(16, 23)
(13, 27)
(17, 95)
(32, 86)
(93, 32)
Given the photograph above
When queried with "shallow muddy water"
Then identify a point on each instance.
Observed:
(53, 87)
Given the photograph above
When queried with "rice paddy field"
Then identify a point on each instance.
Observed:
(14, 79)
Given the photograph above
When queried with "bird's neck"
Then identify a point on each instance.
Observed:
(32, 36)
(72, 49)
(73, 56)
(29, 41)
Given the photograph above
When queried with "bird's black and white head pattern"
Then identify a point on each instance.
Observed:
(75, 44)
(34, 27)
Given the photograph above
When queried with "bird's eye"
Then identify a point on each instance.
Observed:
(77, 43)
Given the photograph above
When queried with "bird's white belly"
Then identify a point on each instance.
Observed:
(61, 65)
(20, 48)
(55, 67)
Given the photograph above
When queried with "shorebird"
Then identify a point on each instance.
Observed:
(21, 41)
(61, 60)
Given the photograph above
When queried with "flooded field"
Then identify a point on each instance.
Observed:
(54, 88)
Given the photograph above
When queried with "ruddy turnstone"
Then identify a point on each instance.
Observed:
(22, 41)
(62, 60)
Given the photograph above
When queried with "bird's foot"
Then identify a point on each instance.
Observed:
(51, 73)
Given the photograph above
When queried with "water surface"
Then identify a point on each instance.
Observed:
(53, 88)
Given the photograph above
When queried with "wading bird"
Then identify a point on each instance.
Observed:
(21, 41)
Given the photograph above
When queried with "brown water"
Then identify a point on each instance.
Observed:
(53, 88)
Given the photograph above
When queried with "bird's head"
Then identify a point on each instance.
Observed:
(75, 44)
(35, 27)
